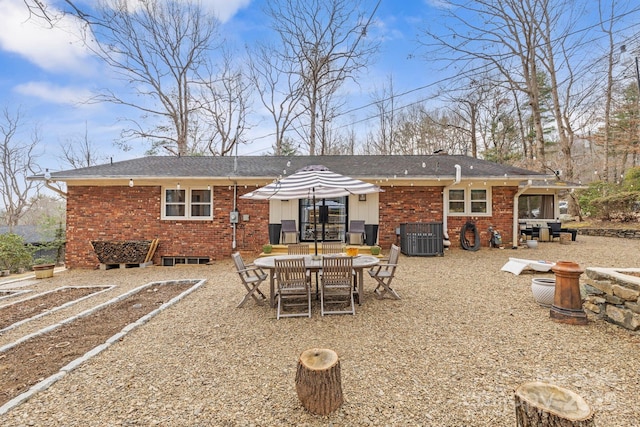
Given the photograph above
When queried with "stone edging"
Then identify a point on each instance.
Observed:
(624, 233)
(54, 309)
(47, 382)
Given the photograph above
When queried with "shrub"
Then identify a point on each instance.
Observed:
(14, 254)
(631, 180)
(596, 190)
(622, 206)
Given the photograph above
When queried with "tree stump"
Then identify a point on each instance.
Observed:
(540, 404)
(318, 382)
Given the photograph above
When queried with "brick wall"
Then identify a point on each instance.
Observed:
(407, 204)
(424, 204)
(124, 213)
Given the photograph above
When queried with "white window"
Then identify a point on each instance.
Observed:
(187, 203)
(456, 201)
(479, 202)
(470, 201)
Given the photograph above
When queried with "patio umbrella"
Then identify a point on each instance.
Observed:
(312, 182)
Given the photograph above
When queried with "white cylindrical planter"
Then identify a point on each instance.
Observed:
(543, 290)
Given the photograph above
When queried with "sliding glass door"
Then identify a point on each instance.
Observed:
(328, 218)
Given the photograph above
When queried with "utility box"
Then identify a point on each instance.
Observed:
(421, 239)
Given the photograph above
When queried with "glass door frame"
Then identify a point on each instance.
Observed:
(332, 214)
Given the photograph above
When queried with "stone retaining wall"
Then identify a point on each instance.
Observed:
(613, 294)
(625, 233)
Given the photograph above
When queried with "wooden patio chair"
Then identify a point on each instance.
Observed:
(356, 235)
(329, 248)
(251, 277)
(289, 227)
(336, 286)
(298, 249)
(384, 273)
(294, 288)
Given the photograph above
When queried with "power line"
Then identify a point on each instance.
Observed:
(466, 74)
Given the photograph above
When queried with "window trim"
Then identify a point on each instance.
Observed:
(468, 202)
(187, 204)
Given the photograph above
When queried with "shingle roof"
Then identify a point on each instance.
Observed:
(370, 167)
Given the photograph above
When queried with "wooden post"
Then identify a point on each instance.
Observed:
(540, 404)
(318, 382)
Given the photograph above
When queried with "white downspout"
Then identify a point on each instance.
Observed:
(445, 207)
(47, 184)
(516, 231)
(234, 243)
(235, 209)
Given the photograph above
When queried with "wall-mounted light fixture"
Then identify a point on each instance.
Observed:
(131, 182)
(47, 175)
(178, 186)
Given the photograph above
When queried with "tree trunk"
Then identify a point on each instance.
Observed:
(318, 382)
(540, 404)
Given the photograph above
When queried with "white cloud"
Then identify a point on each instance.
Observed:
(51, 48)
(60, 48)
(52, 93)
(224, 9)
(439, 4)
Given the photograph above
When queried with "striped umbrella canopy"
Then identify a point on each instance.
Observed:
(314, 181)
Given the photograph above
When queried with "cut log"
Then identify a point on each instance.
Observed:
(318, 382)
(540, 404)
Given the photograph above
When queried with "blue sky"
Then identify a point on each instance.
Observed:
(47, 73)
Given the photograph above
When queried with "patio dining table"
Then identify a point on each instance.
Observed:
(360, 262)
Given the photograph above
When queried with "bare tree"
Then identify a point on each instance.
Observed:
(225, 106)
(468, 105)
(506, 34)
(279, 89)
(326, 43)
(40, 9)
(607, 27)
(80, 152)
(18, 162)
(383, 139)
(159, 48)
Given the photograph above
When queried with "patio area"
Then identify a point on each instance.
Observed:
(451, 352)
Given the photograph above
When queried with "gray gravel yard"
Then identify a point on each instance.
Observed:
(450, 353)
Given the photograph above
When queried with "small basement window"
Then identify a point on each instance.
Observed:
(170, 261)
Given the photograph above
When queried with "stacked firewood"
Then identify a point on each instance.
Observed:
(125, 252)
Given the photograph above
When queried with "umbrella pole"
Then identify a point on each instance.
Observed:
(315, 223)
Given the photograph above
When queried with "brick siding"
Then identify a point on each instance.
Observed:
(133, 213)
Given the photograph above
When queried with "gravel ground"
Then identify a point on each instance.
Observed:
(450, 353)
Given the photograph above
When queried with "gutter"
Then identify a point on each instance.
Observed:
(445, 204)
(514, 239)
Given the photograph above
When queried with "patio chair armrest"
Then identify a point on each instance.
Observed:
(386, 264)
(251, 268)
